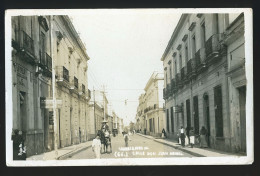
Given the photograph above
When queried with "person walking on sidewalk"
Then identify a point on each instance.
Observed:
(192, 137)
(203, 134)
(182, 134)
(96, 146)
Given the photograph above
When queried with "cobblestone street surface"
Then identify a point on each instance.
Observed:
(139, 147)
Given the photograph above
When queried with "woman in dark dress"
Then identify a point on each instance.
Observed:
(203, 134)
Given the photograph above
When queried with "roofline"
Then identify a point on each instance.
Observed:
(75, 33)
(176, 30)
(152, 78)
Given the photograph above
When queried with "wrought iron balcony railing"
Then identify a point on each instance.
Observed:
(49, 62)
(74, 83)
(189, 69)
(164, 93)
(83, 89)
(182, 74)
(213, 48)
(89, 94)
(62, 74)
(27, 43)
(173, 85)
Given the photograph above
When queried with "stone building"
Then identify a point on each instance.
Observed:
(153, 100)
(41, 45)
(31, 74)
(196, 86)
(235, 42)
(70, 60)
(150, 116)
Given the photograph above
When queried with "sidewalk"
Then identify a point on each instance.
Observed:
(195, 151)
(63, 153)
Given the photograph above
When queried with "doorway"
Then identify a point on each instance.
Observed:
(242, 106)
(206, 115)
(196, 114)
(188, 113)
(23, 115)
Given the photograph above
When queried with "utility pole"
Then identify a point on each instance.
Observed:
(95, 124)
(53, 91)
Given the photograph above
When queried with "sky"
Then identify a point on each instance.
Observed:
(125, 48)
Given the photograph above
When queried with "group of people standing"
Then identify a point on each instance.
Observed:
(187, 136)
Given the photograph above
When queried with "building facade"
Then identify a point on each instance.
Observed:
(235, 42)
(196, 85)
(40, 45)
(150, 118)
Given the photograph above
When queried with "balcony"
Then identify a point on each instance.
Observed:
(173, 86)
(191, 68)
(82, 91)
(183, 75)
(214, 49)
(62, 76)
(164, 94)
(25, 45)
(168, 90)
(178, 80)
(201, 60)
(89, 94)
(74, 84)
(47, 71)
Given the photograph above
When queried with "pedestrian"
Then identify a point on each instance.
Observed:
(79, 135)
(203, 134)
(126, 138)
(164, 133)
(102, 138)
(187, 136)
(16, 143)
(96, 146)
(192, 137)
(19, 148)
(182, 135)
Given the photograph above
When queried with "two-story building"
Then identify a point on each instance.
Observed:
(44, 46)
(196, 86)
(150, 115)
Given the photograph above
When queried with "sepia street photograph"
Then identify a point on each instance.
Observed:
(129, 87)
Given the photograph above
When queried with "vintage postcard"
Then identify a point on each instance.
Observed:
(129, 87)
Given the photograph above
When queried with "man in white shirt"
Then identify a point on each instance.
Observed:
(96, 146)
(182, 137)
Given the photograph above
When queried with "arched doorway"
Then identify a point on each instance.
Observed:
(206, 115)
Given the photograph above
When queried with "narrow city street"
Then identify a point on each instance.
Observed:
(139, 147)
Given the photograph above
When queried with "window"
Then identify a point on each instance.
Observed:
(218, 111)
(170, 71)
(203, 34)
(175, 65)
(180, 62)
(42, 48)
(193, 46)
(186, 54)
